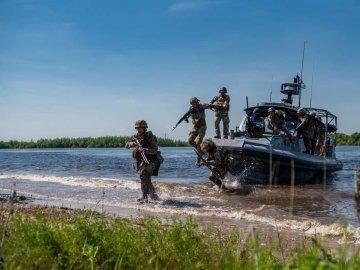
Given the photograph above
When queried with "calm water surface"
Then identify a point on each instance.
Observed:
(87, 176)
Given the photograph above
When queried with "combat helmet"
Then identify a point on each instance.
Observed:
(194, 99)
(271, 109)
(300, 111)
(141, 124)
(223, 89)
(312, 114)
(256, 110)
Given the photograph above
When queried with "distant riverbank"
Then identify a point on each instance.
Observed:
(344, 139)
(120, 141)
(87, 142)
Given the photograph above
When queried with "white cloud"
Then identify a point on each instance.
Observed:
(188, 6)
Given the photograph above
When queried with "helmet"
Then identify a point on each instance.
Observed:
(300, 111)
(271, 109)
(256, 110)
(223, 89)
(313, 114)
(141, 124)
(194, 99)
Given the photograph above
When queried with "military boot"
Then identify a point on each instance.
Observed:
(143, 198)
(154, 196)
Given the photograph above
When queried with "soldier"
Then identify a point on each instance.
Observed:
(319, 135)
(257, 123)
(197, 133)
(311, 131)
(303, 128)
(222, 112)
(214, 160)
(148, 159)
(277, 123)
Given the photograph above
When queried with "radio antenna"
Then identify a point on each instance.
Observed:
(312, 83)
(272, 80)
(301, 74)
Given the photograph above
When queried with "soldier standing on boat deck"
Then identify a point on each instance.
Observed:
(148, 166)
(222, 112)
(303, 128)
(312, 131)
(277, 123)
(197, 133)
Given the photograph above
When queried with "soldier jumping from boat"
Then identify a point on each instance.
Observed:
(222, 108)
(148, 159)
(277, 123)
(197, 133)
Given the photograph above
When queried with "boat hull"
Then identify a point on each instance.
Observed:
(269, 161)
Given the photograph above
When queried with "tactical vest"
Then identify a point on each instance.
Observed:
(221, 100)
(198, 116)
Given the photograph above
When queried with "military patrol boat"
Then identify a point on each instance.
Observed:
(258, 156)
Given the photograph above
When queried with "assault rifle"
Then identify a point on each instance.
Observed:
(141, 150)
(217, 175)
(184, 118)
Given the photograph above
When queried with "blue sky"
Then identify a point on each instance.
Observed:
(91, 68)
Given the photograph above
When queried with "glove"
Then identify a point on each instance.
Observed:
(129, 144)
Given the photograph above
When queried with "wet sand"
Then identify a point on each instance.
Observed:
(289, 239)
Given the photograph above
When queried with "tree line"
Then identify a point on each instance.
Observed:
(344, 139)
(87, 142)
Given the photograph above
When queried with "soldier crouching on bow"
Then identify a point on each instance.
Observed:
(213, 161)
(148, 159)
(277, 123)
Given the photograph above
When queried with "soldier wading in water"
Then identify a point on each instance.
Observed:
(148, 159)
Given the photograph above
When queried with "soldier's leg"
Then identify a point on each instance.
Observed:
(201, 134)
(146, 185)
(145, 179)
(226, 121)
(192, 135)
(200, 137)
(306, 143)
(217, 126)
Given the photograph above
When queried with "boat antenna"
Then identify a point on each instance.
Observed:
(301, 74)
(272, 80)
(312, 83)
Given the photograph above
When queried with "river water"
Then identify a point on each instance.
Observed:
(105, 178)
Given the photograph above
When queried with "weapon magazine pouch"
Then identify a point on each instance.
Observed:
(161, 160)
(159, 157)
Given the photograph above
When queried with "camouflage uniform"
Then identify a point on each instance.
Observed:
(277, 123)
(319, 135)
(222, 113)
(198, 130)
(149, 143)
(214, 159)
(305, 130)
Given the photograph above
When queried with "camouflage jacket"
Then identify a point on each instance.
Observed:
(148, 142)
(198, 115)
(277, 120)
(222, 102)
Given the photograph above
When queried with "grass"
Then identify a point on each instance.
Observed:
(86, 241)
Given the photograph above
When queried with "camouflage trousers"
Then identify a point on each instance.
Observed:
(196, 136)
(226, 121)
(145, 177)
(277, 130)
